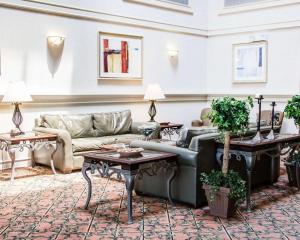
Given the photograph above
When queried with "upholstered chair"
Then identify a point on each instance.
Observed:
(266, 115)
(204, 120)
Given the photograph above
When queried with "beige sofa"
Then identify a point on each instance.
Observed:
(80, 133)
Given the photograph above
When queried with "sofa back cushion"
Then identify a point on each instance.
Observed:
(112, 123)
(78, 125)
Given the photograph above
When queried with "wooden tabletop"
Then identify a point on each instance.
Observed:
(147, 156)
(27, 136)
(170, 125)
(248, 143)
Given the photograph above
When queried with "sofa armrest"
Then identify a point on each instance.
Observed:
(186, 157)
(63, 158)
(136, 128)
(197, 141)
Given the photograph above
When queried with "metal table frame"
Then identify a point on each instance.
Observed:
(151, 169)
(31, 145)
(250, 159)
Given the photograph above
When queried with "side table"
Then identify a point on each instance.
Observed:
(28, 140)
(169, 129)
(250, 151)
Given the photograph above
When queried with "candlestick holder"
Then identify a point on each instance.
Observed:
(271, 135)
(258, 136)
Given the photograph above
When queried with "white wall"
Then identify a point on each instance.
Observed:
(24, 55)
(204, 64)
(280, 27)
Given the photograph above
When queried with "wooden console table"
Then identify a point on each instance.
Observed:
(28, 140)
(250, 151)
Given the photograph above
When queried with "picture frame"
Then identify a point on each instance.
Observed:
(250, 62)
(120, 56)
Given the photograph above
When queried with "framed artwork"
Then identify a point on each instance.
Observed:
(250, 62)
(120, 57)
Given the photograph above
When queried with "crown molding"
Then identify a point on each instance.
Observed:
(46, 7)
(256, 6)
(254, 28)
(165, 5)
(63, 10)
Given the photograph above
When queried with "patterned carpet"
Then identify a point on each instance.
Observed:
(51, 207)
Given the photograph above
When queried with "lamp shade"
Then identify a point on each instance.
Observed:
(16, 93)
(154, 92)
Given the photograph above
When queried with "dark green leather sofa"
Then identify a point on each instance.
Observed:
(200, 156)
(186, 186)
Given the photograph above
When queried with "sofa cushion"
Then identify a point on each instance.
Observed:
(112, 123)
(78, 125)
(94, 143)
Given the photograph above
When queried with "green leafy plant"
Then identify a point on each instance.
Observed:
(216, 179)
(292, 110)
(231, 116)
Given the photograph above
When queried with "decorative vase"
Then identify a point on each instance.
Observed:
(222, 206)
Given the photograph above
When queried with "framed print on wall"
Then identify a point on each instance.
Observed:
(250, 62)
(120, 57)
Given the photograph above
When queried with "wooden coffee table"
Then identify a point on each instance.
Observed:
(148, 163)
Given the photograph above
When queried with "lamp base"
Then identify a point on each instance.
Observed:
(152, 111)
(17, 120)
(16, 132)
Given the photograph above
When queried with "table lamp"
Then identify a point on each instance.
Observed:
(153, 93)
(16, 94)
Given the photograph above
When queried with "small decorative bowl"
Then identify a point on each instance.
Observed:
(130, 152)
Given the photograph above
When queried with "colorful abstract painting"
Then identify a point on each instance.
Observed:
(250, 62)
(120, 56)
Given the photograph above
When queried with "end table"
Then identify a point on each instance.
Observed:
(169, 129)
(28, 140)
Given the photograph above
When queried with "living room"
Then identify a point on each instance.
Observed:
(89, 76)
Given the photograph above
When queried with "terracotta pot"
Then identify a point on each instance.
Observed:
(222, 206)
(293, 172)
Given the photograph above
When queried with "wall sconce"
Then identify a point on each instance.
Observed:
(55, 40)
(173, 53)
(55, 49)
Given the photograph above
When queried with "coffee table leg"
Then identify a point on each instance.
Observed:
(170, 179)
(129, 182)
(85, 168)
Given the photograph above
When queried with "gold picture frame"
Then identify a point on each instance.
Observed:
(250, 62)
(114, 67)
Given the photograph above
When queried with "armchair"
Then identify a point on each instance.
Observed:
(204, 120)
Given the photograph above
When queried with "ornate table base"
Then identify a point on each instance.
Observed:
(29, 141)
(129, 174)
(252, 153)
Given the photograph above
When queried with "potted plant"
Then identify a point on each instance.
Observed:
(225, 189)
(292, 110)
(293, 169)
